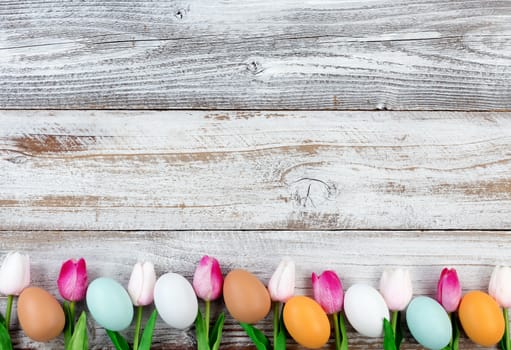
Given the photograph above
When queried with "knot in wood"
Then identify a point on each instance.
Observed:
(311, 193)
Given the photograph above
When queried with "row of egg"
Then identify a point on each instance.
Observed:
(247, 300)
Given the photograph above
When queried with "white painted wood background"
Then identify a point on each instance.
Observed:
(249, 131)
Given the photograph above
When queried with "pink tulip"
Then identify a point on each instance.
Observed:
(72, 280)
(396, 288)
(141, 284)
(282, 282)
(448, 291)
(14, 274)
(328, 292)
(208, 279)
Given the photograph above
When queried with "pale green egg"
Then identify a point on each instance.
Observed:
(109, 304)
(429, 323)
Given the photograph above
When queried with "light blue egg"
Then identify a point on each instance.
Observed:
(109, 304)
(429, 323)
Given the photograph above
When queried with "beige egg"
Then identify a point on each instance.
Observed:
(40, 315)
(246, 298)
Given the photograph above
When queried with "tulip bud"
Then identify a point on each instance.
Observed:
(14, 274)
(208, 279)
(282, 283)
(328, 292)
(448, 291)
(72, 281)
(500, 286)
(141, 284)
(396, 288)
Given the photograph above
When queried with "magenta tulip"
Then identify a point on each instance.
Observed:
(328, 292)
(448, 291)
(208, 279)
(72, 280)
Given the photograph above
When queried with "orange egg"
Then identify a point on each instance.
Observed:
(246, 298)
(40, 315)
(481, 318)
(306, 322)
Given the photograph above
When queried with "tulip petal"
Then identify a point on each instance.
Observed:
(72, 281)
(282, 282)
(328, 292)
(14, 273)
(396, 288)
(208, 279)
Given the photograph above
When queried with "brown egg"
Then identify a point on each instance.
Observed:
(40, 315)
(246, 298)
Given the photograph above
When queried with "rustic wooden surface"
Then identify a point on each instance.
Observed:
(254, 170)
(256, 54)
(165, 130)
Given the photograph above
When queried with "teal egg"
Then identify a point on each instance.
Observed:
(109, 304)
(429, 323)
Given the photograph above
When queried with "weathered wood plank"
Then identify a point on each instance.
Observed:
(254, 170)
(358, 257)
(257, 54)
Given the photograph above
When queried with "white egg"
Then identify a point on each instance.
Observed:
(365, 309)
(175, 300)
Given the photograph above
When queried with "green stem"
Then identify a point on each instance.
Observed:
(344, 337)
(207, 312)
(337, 333)
(452, 337)
(275, 323)
(506, 334)
(138, 325)
(10, 299)
(72, 315)
(394, 321)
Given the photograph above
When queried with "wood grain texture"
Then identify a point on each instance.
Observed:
(254, 170)
(256, 54)
(357, 256)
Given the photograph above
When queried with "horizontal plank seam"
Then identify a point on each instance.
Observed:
(184, 109)
(263, 230)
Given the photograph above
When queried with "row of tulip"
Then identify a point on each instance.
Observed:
(434, 323)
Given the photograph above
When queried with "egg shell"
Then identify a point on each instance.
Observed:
(365, 310)
(40, 315)
(109, 304)
(246, 298)
(429, 323)
(481, 318)
(175, 300)
(306, 322)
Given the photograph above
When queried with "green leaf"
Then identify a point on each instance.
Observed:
(79, 339)
(258, 338)
(200, 332)
(399, 331)
(389, 343)
(215, 336)
(280, 342)
(118, 340)
(2, 319)
(5, 338)
(147, 335)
